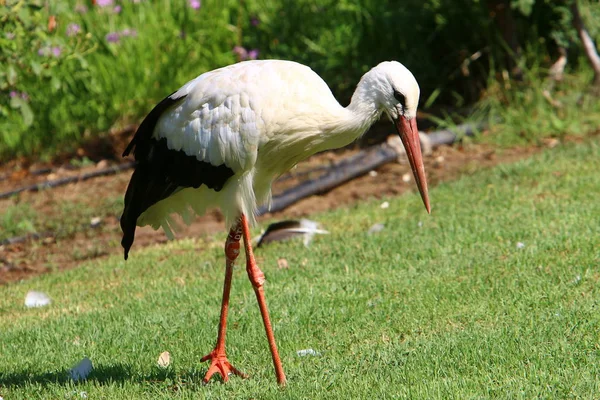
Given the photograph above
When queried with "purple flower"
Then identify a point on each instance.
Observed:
(129, 32)
(56, 51)
(244, 54)
(81, 8)
(104, 3)
(253, 54)
(241, 52)
(15, 93)
(73, 29)
(117, 9)
(254, 21)
(112, 37)
(195, 4)
(43, 51)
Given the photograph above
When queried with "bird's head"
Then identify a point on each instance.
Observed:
(397, 95)
(397, 90)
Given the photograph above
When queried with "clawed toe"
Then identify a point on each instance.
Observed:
(221, 365)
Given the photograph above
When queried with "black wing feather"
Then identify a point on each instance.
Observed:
(160, 171)
(146, 128)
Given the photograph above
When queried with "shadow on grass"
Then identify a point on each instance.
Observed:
(101, 374)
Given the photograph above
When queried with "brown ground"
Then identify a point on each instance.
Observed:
(34, 257)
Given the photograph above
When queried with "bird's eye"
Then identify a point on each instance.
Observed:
(400, 97)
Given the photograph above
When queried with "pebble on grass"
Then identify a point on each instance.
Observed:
(376, 228)
(308, 352)
(34, 298)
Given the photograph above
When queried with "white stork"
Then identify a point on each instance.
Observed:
(225, 136)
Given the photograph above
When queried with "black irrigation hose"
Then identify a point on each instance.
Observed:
(35, 172)
(358, 165)
(437, 138)
(43, 235)
(338, 173)
(25, 238)
(71, 179)
(449, 136)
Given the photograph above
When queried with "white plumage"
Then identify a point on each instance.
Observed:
(260, 118)
(225, 136)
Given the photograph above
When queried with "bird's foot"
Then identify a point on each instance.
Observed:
(221, 365)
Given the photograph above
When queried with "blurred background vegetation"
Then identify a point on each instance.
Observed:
(71, 70)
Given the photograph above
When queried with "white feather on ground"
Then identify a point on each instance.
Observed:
(286, 230)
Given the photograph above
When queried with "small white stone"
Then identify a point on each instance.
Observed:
(376, 229)
(385, 205)
(102, 164)
(373, 173)
(406, 178)
(37, 299)
(95, 222)
(520, 245)
(164, 360)
(282, 263)
(308, 352)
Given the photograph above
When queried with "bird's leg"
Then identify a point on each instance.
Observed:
(257, 278)
(218, 359)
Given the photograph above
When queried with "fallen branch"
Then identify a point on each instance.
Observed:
(587, 42)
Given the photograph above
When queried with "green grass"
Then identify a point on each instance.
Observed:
(17, 220)
(521, 113)
(443, 306)
(64, 219)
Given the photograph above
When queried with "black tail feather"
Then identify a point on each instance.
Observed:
(160, 171)
(131, 212)
(142, 192)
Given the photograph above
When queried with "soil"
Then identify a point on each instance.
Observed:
(34, 257)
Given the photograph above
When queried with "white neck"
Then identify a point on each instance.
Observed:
(336, 127)
(364, 105)
(362, 112)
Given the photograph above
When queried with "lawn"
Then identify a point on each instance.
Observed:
(495, 295)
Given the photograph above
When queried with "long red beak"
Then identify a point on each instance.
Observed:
(410, 138)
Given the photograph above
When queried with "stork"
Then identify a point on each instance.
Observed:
(222, 139)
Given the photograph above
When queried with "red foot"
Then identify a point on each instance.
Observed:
(220, 364)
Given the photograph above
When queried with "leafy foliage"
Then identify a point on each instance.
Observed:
(97, 65)
(532, 109)
(70, 70)
(25, 28)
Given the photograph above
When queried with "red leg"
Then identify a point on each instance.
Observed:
(258, 279)
(217, 357)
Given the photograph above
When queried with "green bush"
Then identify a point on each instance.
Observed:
(101, 65)
(107, 65)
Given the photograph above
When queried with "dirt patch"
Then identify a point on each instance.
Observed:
(35, 257)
